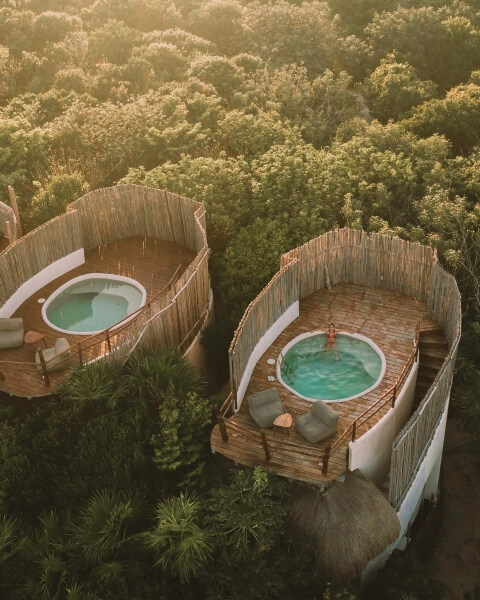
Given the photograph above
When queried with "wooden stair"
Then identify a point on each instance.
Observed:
(433, 350)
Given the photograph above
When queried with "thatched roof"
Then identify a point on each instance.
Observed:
(350, 523)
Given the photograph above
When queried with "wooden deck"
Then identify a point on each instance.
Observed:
(150, 262)
(388, 318)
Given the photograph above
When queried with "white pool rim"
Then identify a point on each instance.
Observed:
(308, 334)
(86, 277)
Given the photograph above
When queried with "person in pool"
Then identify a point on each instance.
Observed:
(331, 342)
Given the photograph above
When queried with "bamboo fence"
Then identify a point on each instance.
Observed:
(280, 293)
(123, 211)
(373, 260)
(172, 318)
(411, 444)
(36, 250)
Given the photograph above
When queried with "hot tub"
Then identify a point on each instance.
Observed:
(309, 372)
(92, 303)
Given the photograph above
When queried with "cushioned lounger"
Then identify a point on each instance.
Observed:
(317, 424)
(265, 407)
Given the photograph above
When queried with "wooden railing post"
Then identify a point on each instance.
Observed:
(234, 391)
(394, 396)
(268, 455)
(10, 234)
(354, 430)
(107, 335)
(44, 366)
(80, 354)
(326, 457)
(221, 423)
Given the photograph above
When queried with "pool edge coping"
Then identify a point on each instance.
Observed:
(307, 334)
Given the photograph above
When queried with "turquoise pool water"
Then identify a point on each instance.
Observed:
(93, 305)
(310, 372)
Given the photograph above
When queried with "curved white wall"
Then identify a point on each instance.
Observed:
(46, 275)
(264, 342)
(425, 485)
(372, 452)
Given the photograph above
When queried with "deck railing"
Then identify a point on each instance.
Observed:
(224, 424)
(388, 398)
(172, 317)
(88, 347)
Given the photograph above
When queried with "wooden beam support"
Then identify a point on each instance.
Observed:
(44, 366)
(326, 458)
(13, 201)
(10, 233)
(221, 423)
(266, 449)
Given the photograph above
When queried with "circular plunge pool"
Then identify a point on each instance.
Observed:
(91, 303)
(309, 372)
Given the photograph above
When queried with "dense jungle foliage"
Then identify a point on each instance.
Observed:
(287, 119)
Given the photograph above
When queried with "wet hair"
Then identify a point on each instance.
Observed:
(332, 325)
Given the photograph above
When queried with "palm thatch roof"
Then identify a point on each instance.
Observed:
(350, 523)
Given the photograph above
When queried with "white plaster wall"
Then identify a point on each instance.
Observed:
(371, 453)
(265, 341)
(46, 275)
(424, 485)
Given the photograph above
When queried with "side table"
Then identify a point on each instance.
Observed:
(284, 421)
(32, 337)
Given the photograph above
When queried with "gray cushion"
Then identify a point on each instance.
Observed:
(264, 407)
(11, 332)
(323, 412)
(318, 424)
(55, 357)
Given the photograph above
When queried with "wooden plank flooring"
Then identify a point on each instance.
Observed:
(150, 262)
(386, 317)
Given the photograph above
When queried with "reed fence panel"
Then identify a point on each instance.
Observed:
(444, 303)
(360, 258)
(444, 307)
(280, 293)
(412, 443)
(124, 211)
(128, 210)
(36, 250)
(7, 214)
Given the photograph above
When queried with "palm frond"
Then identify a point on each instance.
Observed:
(10, 543)
(106, 524)
(97, 384)
(179, 544)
